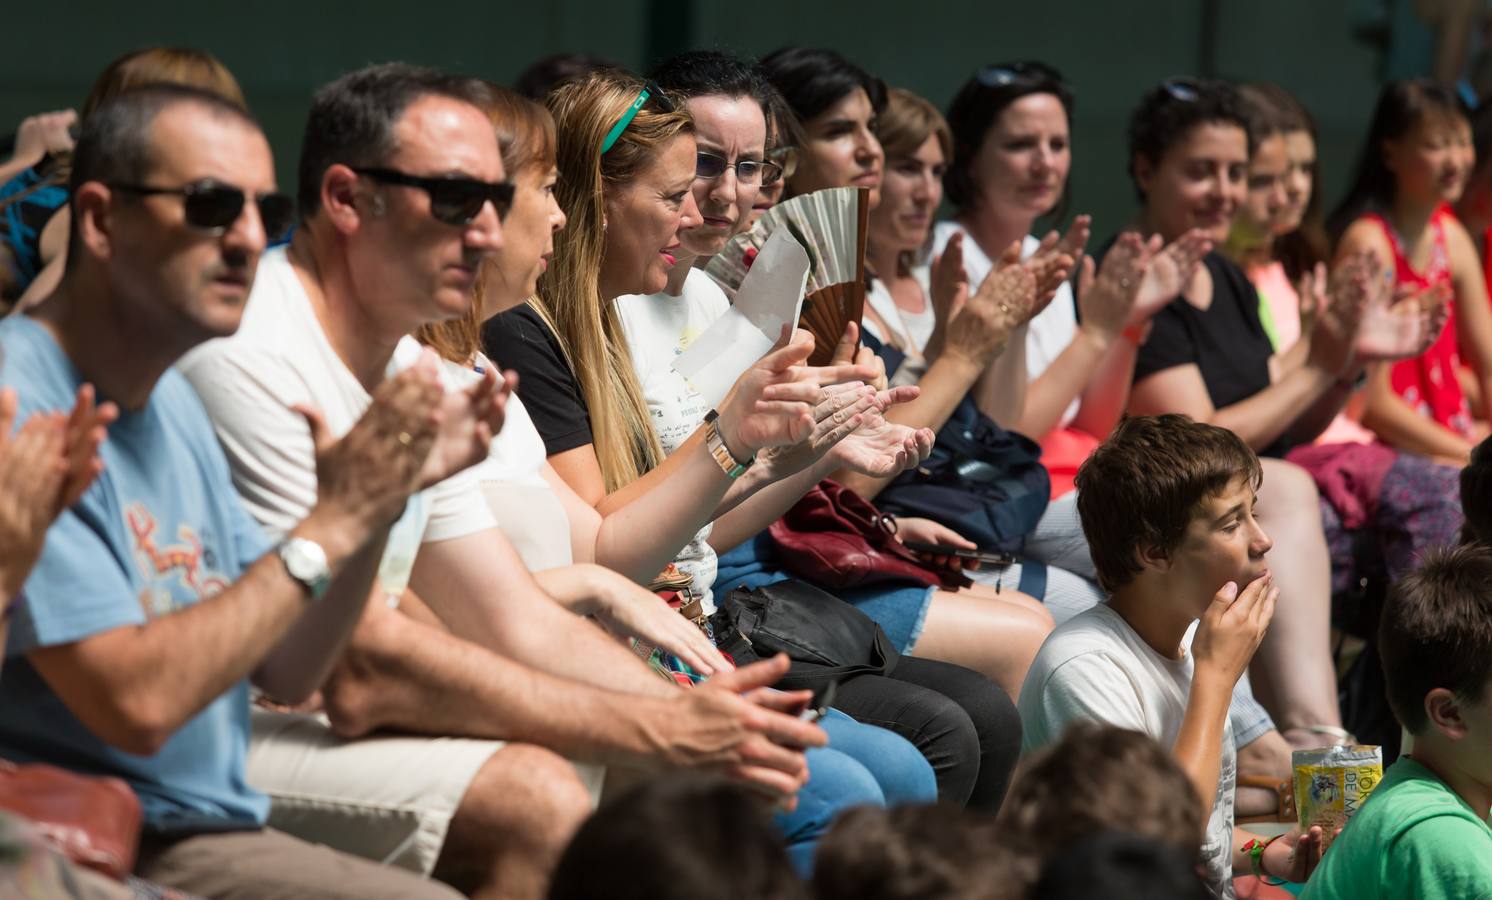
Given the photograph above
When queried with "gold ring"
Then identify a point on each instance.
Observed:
(406, 438)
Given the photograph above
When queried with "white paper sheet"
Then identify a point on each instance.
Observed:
(771, 295)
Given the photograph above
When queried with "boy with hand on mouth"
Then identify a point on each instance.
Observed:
(1167, 505)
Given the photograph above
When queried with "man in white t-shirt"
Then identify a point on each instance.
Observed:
(401, 199)
(1167, 505)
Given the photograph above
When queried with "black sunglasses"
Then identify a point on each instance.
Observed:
(1022, 74)
(710, 166)
(213, 206)
(453, 200)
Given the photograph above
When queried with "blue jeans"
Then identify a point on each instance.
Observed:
(862, 765)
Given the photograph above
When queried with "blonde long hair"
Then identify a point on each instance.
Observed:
(587, 325)
(525, 135)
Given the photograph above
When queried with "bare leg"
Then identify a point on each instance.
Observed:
(996, 635)
(514, 821)
(1292, 673)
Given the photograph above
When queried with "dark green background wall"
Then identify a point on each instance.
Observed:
(1110, 51)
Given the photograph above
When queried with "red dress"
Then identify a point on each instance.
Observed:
(1428, 382)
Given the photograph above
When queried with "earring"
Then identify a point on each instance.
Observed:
(603, 224)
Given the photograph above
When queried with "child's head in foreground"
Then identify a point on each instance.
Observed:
(1098, 778)
(1168, 496)
(1435, 639)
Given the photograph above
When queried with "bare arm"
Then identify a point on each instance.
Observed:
(1259, 420)
(480, 589)
(1107, 392)
(1400, 425)
(113, 680)
(403, 674)
(1229, 633)
(1473, 310)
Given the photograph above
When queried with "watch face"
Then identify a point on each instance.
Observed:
(306, 563)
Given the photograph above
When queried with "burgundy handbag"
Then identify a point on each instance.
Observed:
(94, 822)
(835, 538)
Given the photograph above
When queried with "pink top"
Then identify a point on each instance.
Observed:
(1284, 303)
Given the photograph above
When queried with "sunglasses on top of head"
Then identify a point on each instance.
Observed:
(454, 200)
(1021, 74)
(214, 206)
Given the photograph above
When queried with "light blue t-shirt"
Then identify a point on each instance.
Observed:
(161, 529)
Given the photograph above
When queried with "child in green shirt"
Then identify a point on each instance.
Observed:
(1423, 833)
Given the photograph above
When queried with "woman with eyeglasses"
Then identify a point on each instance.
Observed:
(964, 724)
(627, 160)
(1415, 161)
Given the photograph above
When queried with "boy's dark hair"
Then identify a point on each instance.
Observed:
(352, 119)
(911, 853)
(1476, 495)
(812, 79)
(1120, 866)
(702, 73)
(1099, 778)
(976, 107)
(682, 835)
(114, 141)
(1436, 632)
(1170, 110)
(1142, 486)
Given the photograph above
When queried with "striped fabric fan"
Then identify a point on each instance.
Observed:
(830, 225)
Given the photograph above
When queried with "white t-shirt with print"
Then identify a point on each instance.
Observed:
(1052, 329)
(658, 328)
(1095, 667)
(280, 356)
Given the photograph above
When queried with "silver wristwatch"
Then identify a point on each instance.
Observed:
(305, 561)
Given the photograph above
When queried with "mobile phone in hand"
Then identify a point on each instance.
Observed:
(986, 557)
(819, 703)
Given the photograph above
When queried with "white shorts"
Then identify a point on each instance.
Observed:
(386, 798)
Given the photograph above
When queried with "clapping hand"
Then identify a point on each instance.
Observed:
(470, 418)
(1107, 299)
(43, 134)
(1169, 273)
(369, 473)
(1403, 323)
(45, 467)
(736, 724)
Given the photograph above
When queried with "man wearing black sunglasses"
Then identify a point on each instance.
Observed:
(381, 250)
(157, 599)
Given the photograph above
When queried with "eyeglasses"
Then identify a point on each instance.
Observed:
(1183, 90)
(710, 166)
(783, 162)
(649, 91)
(453, 200)
(1022, 73)
(214, 206)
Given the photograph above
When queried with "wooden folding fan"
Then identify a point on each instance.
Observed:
(831, 226)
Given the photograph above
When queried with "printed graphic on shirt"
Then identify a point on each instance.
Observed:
(177, 574)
